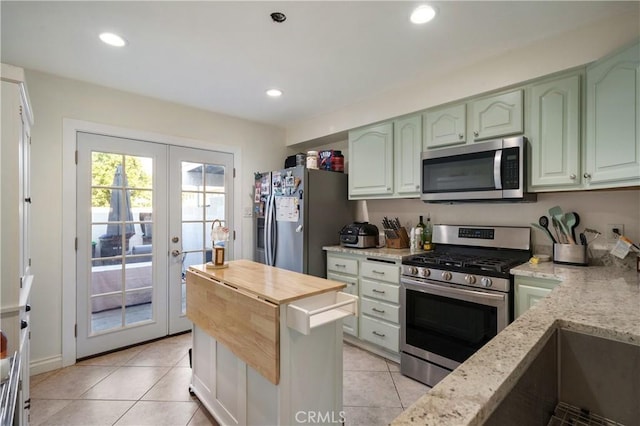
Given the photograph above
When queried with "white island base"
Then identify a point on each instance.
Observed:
(268, 354)
(310, 388)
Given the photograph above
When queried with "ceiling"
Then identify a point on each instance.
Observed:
(222, 56)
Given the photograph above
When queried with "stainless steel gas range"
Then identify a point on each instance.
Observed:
(457, 297)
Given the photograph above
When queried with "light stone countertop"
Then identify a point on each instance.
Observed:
(602, 301)
(384, 252)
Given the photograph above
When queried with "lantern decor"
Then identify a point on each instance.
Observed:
(219, 237)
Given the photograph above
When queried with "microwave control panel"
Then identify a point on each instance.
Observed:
(511, 168)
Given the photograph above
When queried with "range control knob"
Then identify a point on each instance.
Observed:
(425, 272)
(486, 282)
(446, 275)
(413, 270)
(470, 279)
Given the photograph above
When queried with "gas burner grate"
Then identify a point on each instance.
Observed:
(465, 261)
(566, 414)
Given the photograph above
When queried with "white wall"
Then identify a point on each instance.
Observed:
(566, 51)
(260, 147)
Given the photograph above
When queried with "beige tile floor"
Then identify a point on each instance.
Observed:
(149, 385)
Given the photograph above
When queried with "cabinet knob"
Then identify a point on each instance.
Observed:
(417, 186)
(27, 200)
(460, 136)
(27, 308)
(23, 324)
(388, 188)
(587, 175)
(572, 176)
(475, 133)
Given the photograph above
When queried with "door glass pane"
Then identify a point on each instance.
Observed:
(121, 234)
(203, 201)
(192, 206)
(215, 206)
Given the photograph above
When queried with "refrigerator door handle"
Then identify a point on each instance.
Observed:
(267, 232)
(273, 230)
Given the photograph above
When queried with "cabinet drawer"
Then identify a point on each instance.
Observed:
(381, 271)
(381, 291)
(342, 265)
(380, 333)
(351, 282)
(380, 310)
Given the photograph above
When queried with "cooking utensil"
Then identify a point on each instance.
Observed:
(545, 231)
(544, 223)
(572, 220)
(558, 215)
(583, 239)
(560, 236)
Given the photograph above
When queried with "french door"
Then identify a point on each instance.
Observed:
(144, 214)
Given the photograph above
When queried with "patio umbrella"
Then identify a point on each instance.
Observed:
(120, 209)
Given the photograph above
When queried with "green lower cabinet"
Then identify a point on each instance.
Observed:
(529, 290)
(376, 282)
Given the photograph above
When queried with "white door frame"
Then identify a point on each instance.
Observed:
(69, 129)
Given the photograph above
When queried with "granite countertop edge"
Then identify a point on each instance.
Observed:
(597, 300)
(383, 252)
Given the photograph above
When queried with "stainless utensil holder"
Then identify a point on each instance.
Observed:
(570, 254)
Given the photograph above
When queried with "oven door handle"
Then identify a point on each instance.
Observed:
(455, 292)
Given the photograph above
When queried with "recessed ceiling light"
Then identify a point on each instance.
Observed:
(274, 93)
(422, 14)
(113, 39)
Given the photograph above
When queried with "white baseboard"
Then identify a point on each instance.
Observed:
(44, 365)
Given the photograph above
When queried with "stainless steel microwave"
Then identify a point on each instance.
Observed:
(485, 171)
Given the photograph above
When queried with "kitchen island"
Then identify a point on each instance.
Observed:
(267, 344)
(595, 301)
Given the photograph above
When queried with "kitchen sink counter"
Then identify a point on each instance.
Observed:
(601, 301)
(389, 253)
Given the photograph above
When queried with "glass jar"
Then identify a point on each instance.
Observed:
(312, 159)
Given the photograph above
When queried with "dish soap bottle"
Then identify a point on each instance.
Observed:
(427, 235)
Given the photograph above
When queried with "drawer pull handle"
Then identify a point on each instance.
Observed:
(339, 265)
(378, 334)
(375, 290)
(380, 311)
(377, 272)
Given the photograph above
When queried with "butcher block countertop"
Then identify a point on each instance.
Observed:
(275, 285)
(601, 301)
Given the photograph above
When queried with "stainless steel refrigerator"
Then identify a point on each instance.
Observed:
(297, 211)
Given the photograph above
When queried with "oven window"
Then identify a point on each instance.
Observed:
(468, 172)
(451, 328)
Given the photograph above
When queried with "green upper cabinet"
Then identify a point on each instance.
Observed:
(445, 126)
(498, 115)
(384, 159)
(554, 132)
(613, 113)
(476, 120)
(371, 161)
(407, 148)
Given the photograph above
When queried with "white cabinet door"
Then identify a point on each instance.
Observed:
(407, 147)
(371, 161)
(613, 114)
(445, 126)
(499, 115)
(555, 133)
